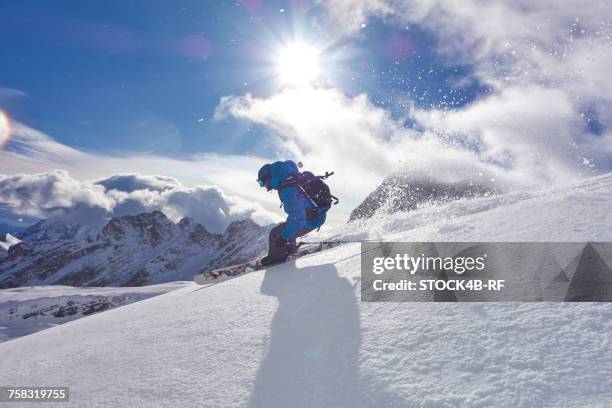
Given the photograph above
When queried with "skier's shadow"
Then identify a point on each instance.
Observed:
(313, 351)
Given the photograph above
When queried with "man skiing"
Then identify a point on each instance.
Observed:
(305, 198)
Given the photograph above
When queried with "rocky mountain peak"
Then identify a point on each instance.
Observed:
(19, 250)
(241, 227)
(185, 222)
(149, 226)
(51, 230)
(401, 192)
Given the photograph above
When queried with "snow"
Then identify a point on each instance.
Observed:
(8, 242)
(296, 335)
(30, 309)
(576, 212)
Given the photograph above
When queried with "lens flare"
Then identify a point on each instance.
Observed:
(5, 129)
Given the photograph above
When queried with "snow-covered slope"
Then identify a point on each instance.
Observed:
(577, 212)
(147, 248)
(296, 335)
(30, 309)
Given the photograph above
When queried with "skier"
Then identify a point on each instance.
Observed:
(305, 198)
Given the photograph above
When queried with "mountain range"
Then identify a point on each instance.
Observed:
(131, 250)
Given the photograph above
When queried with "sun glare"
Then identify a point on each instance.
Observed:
(298, 64)
(5, 129)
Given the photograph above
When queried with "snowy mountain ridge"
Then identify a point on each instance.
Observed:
(296, 334)
(131, 250)
(9, 241)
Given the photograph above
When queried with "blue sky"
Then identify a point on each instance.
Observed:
(122, 75)
(508, 94)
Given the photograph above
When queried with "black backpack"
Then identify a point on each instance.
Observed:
(314, 188)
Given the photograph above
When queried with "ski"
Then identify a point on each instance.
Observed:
(233, 271)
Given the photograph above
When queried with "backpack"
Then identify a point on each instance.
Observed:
(314, 188)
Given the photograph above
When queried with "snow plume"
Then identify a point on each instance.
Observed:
(351, 14)
(55, 194)
(529, 130)
(546, 64)
(364, 144)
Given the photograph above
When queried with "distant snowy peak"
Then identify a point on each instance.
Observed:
(51, 230)
(237, 229)
(8, 242)
(148, 228)
(130, 250)
(82, 222)
(400, 193)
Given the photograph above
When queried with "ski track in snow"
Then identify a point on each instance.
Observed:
(296, 335)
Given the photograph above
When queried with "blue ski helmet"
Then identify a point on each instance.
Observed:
(264, 175)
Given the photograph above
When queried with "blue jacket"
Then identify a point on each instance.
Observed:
(294, 201)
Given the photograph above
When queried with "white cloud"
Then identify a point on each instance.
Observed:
(129, 183)
(30, 151)
(56, 194)
(45, 194)
(10, 93)
(208, 205)
(213, 207)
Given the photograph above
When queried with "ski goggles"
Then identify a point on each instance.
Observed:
(261, 182)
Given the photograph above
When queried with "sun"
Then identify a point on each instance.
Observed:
(298, 64)
(5, 129)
